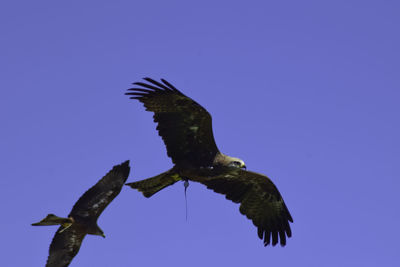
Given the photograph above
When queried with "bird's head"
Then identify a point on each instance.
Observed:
(102, 235)
(237, 163)
(98, 231)
(227, 161)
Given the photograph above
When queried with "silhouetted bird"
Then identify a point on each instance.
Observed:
(83, 217)
(186, 129)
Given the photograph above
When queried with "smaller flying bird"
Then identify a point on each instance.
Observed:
(82, 219)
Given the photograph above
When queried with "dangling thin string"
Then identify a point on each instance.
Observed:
(186, 184)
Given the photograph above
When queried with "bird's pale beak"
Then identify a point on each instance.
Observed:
(244, 167)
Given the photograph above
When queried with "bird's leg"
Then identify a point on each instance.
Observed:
(66, 226)
(186, 184)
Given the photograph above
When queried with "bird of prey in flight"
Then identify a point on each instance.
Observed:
(83, 217)
(186, 129)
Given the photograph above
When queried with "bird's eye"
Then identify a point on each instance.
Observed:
(237, 163)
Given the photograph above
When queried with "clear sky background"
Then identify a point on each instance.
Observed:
(306, 92)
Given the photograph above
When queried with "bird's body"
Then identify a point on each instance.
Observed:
(186, 129)
(82, 219)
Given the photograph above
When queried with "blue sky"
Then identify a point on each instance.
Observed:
(306, 92)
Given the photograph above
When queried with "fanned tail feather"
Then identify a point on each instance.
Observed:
(152, 185)
(52, 219)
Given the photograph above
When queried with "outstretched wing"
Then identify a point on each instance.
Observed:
(183, 124)
(65, 245)
(92, 203)
(260, 201)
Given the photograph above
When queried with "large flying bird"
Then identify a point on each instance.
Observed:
(186, 129)
(83, 217)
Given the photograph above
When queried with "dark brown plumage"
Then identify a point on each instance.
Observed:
(260, 201)
(83, 217)
(186, 129)
(184, 125)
